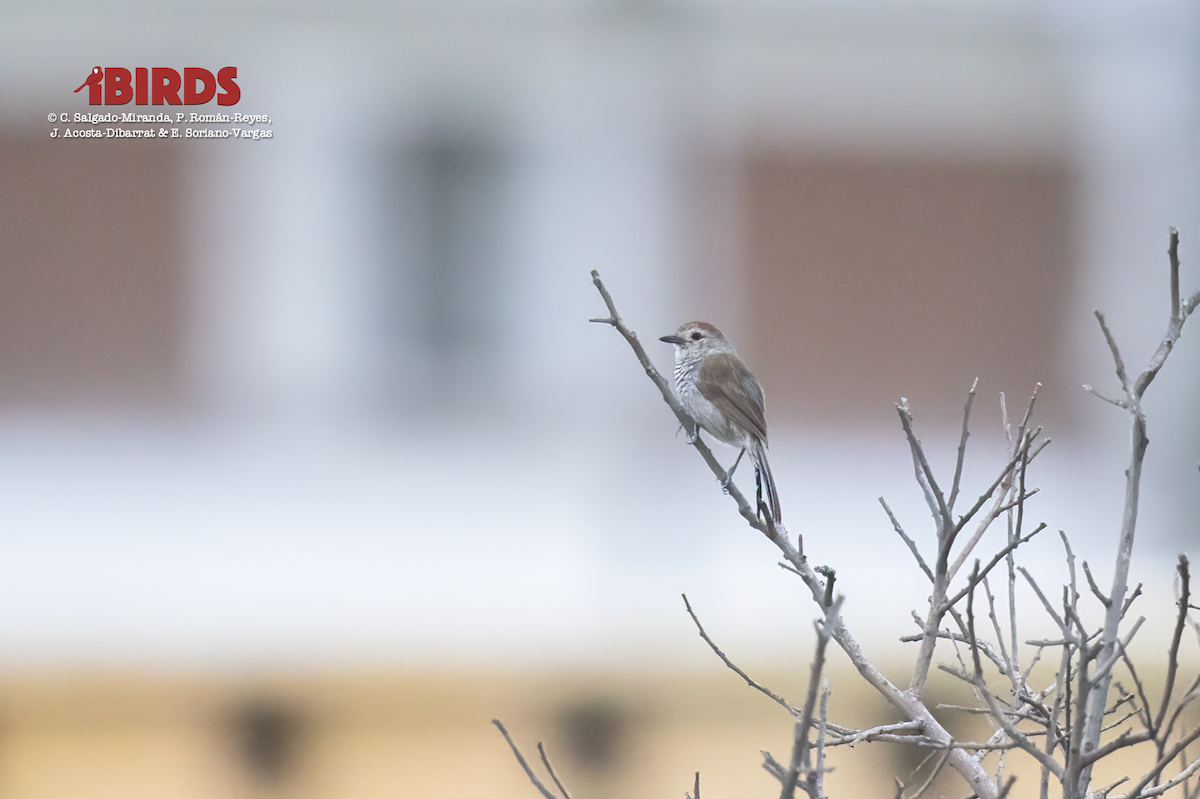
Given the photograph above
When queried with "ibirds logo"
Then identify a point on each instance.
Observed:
(159, 85)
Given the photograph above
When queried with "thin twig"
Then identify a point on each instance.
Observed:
(1116, 352)
(962, 446)
(1162, 763)
(924, 474)
(818, 772)
(1105, 667)
(937, 769)
(521, 759)
(1038, 591)
(998, 506)
(1173, 257)
(902, 732)
(973, 640)
(1095, 392)
(1144, 708)
(999, 556)
(801, 745)
(1189, 696)
(1184, 596)
(961, 638)
(1137, 591)
(1174, 329)
(1127, 738)
(551, 772)
(724, 659)
(1182, 776)
(771, 765)
(1104, 600)
(1000, 716)
(1007, 666)
(912, 545)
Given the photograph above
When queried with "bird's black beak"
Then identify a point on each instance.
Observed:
(672, 339)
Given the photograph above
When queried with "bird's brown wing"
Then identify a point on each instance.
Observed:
(744, 407)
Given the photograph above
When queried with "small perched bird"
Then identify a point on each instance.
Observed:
(719, 393)
(97, 74)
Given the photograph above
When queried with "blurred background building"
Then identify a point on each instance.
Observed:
(314, 428)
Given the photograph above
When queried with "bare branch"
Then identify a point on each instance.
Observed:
(1069, 554)
(1028, 411)
(614, 319)
(1109, 639)
(1104, 792)
(724, 659)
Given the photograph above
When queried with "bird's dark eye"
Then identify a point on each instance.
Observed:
(696, 336)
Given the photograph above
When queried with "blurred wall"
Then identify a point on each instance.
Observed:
(329, 401)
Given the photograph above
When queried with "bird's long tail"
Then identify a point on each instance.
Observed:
(765, 482)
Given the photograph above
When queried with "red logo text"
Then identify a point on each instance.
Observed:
(161, 85)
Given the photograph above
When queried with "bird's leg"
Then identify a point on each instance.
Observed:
(729, 474)
(758, 492)
(691, 437)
